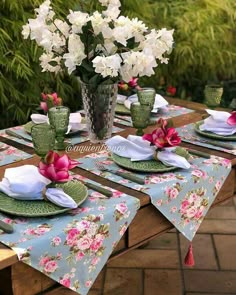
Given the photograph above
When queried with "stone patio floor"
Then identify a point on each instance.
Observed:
(158, 269)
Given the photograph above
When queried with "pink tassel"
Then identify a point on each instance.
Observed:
(189, 259)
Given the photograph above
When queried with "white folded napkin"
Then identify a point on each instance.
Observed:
(160, 102)
(26, 183)
(74, 121)
(217, 123)
(138, 149)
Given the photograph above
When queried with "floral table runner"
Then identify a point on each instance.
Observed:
(183, 196)
(73, 248)
(75, 139)
(188, 134)
(10, 154)
(170, 112)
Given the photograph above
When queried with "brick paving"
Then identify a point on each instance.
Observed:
(158, 268)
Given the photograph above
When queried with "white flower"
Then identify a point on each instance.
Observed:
(26, 31)
(63, 27)
(75, 54)
(44, 11)
(112, 11)
(107, 66)
(78, 19)
(52, 41)
(45, 61)
(37, 27)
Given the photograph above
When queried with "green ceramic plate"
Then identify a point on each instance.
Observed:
(142, 166)
(29, 125)
(121, 109)
(73, 188)
(212, 135)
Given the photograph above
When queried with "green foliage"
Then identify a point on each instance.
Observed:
(205, 44)
(21, 79)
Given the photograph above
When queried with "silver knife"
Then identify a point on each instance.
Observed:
(224, 145)
(14, 134)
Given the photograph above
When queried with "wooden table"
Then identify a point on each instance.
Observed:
(20, 279)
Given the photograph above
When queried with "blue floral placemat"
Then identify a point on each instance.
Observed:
(75, 139)
(10, 154)
(188, 134)
(183, 197)
(171, 111)
(73, 248)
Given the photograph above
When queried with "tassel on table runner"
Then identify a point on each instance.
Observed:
(189, 259)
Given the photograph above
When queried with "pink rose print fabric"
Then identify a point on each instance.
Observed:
(10, 154)
(73, 248)
(183, 196)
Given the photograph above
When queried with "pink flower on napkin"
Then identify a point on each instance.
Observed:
(56, 168)
(163, 136)
(232, 119)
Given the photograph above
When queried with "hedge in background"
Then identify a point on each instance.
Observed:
(21, 79)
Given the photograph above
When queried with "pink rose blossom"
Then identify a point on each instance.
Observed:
(79, 256)
(8, 220)
(191, 212)
(232, 119)
(88, 284)
(173, 193)
(97, 242)
(71, 238)
(84, 243)
(56, 241)
(95, 260)
(184, 205)
(199, 173)
(44, 260)
(50, 266)
(159, 202)
(122, 208)
(65, 282)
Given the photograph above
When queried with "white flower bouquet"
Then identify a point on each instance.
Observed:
(98, 47)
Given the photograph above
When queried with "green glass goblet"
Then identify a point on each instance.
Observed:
(59, 119)
(213, 95)
(43, 138)
(140, 115)
(147, 96)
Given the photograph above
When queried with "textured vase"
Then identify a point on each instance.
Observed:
(99, 105)
(213, 94)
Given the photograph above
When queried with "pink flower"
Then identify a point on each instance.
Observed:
(163, 136)
(8, 220)
(95, 260)
(71, 238)
(184, 205)
(56, 241)
(51, 266)
(199, 214)
(79, 256)
(44, 106)
(44, 260)
(173, 193)
(97, 242)
(133, 82)
(170, 90)
(191, 212)
(56, 167)
(122, 208)
(65, 282)
(84, 243)
(232, 119)
(199, 173)
(173, 209)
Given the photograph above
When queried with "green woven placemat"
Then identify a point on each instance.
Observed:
(142, 166)
(121, 109)
(74, 189)
(212, 135)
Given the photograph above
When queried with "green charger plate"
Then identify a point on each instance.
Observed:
(142, 166)
(121, 109)
(211, 134)
(29, 125)
(74, 188)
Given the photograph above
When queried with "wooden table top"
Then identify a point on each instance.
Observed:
(8, 256)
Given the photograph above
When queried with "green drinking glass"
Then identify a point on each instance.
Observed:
(140, 115)
(59, 119)
(43, 138)
(147, 95)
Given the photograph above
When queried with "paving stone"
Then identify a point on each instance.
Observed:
(203, 251)
(225, 247)
(147, 258)
(123, 282)
(210, 281)
(218, 226)
(165, 241)
(222, 212)
(162, 282)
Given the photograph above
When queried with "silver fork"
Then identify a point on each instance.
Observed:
(125, 175)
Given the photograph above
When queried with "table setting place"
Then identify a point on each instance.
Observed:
(217, 131)
(10, 154)
(61, 223)
(160, 107)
